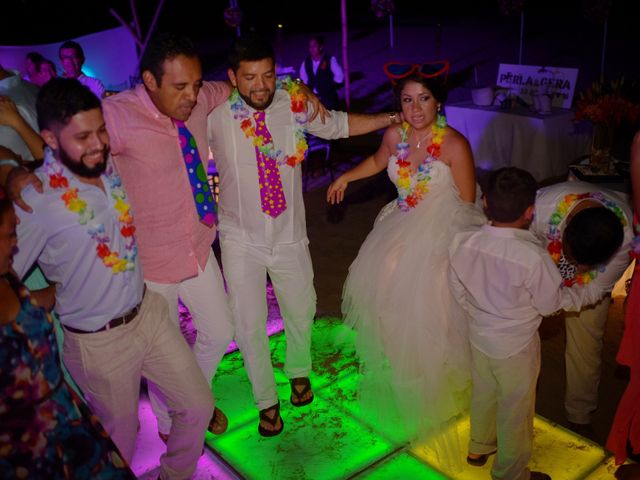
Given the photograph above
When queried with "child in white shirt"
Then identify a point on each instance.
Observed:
(507, 282)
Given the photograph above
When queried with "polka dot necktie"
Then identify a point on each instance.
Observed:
(197, 176)
(271, 194)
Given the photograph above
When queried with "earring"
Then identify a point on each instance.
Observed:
(441, 120)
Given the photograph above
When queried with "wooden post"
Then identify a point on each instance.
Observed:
(521, 36)
(345, 56)
(137, 33)
(604, 50)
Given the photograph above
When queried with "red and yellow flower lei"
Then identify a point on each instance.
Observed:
(74, 203)
(409, 197)
(247, 124)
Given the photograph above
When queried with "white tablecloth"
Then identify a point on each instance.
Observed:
(544, 145)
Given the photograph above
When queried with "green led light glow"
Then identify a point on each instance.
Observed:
(333, 439)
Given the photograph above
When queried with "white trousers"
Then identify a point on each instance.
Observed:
(108, 366)
(205, 297)
(502, 409)
(583, 359)
(289, 267)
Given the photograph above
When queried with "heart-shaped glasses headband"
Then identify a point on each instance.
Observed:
(396, 71)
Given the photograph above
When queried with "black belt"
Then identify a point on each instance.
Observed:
(116, 322)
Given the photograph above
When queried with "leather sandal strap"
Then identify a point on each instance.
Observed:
(297, 382)
(271, 421)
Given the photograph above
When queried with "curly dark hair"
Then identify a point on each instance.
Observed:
(250, 48)
(60, 99)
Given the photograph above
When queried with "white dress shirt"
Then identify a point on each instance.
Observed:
(506, 281)
(336, 69)
(24, 95)
(547, 200)
(88, 295)
(240, 213)
(93, 84)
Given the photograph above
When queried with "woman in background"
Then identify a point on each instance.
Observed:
(46, 431)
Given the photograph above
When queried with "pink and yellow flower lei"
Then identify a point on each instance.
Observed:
(409, 197)
(247, 124)
(554, 236)
(75, 204)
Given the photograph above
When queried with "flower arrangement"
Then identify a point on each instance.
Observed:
(610, 103)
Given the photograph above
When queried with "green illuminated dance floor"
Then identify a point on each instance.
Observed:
(332, 439)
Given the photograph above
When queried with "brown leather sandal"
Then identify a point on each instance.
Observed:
(218, 423)
(271, 420)
(297, 395)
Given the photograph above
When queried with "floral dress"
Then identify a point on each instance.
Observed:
(46, 430)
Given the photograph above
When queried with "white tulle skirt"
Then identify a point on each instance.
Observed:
(412, 337)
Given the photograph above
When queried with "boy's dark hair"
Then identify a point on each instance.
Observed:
(249, 48)
(165, 46)
(60, 99)
(74, 45)
(510, 191)
(593, 235)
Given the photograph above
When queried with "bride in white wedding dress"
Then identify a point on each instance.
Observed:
(412, 336)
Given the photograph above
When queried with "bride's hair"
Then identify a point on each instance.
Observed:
(435, 85)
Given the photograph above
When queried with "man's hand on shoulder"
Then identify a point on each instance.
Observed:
(317, 108)
(17, 180)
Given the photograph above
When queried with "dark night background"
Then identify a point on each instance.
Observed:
(43, 21)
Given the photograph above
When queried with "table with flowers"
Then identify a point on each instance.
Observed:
(543, 144)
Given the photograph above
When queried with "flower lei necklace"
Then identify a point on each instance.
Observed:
(554, 235)
(76, 204)
(247, 124)
(409, 197)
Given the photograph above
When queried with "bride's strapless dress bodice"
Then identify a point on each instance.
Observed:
(438, 171)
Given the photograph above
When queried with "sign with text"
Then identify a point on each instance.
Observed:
(526, 81)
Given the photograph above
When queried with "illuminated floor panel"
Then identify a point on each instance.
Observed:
(402, 465)
(333, 439)
(317, 443)
(556, 451)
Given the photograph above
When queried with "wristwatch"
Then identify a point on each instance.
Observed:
(393, 118)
